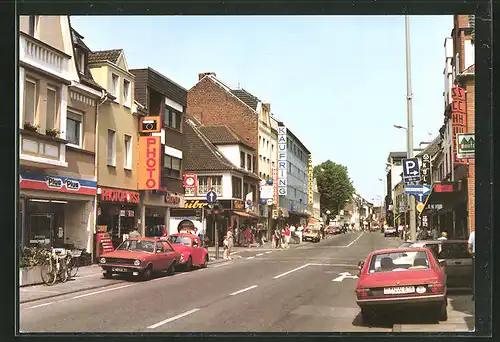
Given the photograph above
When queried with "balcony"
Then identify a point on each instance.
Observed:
(43, 56)
(40, 148)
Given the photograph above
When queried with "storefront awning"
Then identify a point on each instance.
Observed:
(242, 214)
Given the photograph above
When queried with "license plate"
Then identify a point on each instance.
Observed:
(399, 290)
(119, 269)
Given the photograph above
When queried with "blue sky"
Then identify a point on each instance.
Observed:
(338, 82)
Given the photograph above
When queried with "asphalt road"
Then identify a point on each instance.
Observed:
(260, 291)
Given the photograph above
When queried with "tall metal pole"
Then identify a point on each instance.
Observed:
(413, 228)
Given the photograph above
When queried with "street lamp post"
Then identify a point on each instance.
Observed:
(409, 127)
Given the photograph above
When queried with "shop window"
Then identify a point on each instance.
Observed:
(51, 114)
(30, 101)
(189, 191)
(172, 166)
(128, 152)
(216, 182)
(237, 187)
(202, 185)
(242, 159)
(111, 148)
(74, 129)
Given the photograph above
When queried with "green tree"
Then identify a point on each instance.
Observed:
(334, 186)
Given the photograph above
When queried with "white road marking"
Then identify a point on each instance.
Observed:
(154, 326)
(295, 269)
(259, 254)
(269, 252)
(250, 257)
(343, 276)
(222, 264)
(241, 291)
(97, 292)
(349, 245)
(40, 305)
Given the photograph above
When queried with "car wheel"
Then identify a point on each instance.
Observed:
(147, 273)
(107, 275)
(443, 312)
(205, 262)
(189, 264)
(171, 269)
(367, 316)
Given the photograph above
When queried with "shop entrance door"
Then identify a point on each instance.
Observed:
(41, 227)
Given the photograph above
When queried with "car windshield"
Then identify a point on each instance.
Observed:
(180, 240)
(399, 261)
(405, 244)
(137, 246)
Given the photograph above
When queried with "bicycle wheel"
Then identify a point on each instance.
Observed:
(63, 272)
(73, 265)
(48, 273)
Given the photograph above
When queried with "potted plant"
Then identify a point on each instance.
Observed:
(52, 132)
(30, 263)
(29, 126)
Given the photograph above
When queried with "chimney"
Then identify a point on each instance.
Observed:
(203, 74)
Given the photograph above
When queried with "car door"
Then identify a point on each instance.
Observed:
(458, 263)
(160, 257)
(169, 253)
(196, 251)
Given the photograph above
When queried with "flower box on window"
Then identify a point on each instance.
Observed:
(29, 126)
(52, 132)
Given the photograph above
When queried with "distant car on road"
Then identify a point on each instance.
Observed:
(191, 252)
(140, 257)
(311, 234)
(456, 258)
(398, 279)
(390, 231)
(336, 230)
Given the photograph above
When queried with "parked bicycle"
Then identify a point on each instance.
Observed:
(56, 266)
(73, 262)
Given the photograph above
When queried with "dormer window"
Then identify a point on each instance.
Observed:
(82, 62)
(114, 86)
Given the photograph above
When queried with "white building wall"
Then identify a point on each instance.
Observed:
(265, 147)
(78, 224)
(231, 152)
(468, 53)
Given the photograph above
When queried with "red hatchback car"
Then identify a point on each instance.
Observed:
(190, 249)
(395, 279)
(140, 257)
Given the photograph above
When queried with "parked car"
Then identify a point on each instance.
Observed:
(311, 234)
(398, 279)
(336, 230)
(455, 256)
(140, 257)
(390, 231)
(189, 246)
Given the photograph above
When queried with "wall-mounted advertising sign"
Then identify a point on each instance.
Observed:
(150, 124)
(149, 163)
(118, 195)
(37, 181)
(466, 145)
(282, 161)
(310, 190)
(459, 118)
(275, 186)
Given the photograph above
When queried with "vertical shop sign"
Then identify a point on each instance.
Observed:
(282, 161)
(459, 118)
(149, 163)
(310, 191)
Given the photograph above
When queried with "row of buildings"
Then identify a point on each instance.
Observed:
(451, 204)
(104, 147)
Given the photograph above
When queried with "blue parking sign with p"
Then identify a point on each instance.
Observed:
(411, 170)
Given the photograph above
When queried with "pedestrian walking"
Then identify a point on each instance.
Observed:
(444, 236)
(435, 233)
(277, 237)
(472, 251)
(259, 237)
(134, 234)
(225, 243)
(230, 244)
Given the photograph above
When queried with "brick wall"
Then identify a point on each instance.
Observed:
(212, 105)
(471, 181)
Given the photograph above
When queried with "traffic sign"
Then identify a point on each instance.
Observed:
(211, 196)
(270, 201)
(411, 171)
(417, 189)
(421, 197)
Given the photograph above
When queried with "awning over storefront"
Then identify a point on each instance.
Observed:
(243, 214)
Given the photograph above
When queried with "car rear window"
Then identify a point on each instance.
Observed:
(454, 251)
(399, 261)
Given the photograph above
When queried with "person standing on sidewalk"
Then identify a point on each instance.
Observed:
(472, 251)
(225, 243)
(230, 245)
(444, 236)
(134, 234)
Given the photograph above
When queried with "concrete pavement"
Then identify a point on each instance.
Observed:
(289, 290)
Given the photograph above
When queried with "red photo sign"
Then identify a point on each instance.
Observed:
(149, 163)
(120, 196)
(458, 117)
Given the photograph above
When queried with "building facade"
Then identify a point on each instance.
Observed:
(166, 99)
(57, 108)
(316, 207)
(117, 141)
(213, 158)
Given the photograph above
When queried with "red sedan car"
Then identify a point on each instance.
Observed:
(189, 247)
(395, 279)
(140, 257)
